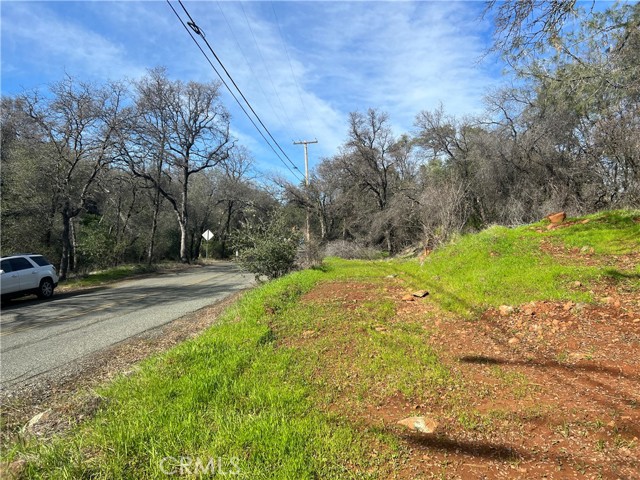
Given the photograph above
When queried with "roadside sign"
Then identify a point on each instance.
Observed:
(208, 235)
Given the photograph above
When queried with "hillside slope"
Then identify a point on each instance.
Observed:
(518, 352)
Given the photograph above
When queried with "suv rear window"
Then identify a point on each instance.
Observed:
(40, 260)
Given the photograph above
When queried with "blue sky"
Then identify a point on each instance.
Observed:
(303, 65)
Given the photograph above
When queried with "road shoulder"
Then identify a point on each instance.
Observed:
(52, 405)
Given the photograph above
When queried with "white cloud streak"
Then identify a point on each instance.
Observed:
(400, 57)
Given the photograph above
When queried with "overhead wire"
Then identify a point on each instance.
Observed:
(293, 75)
(199, 32)
(191, 25)
(248, 63)
(264, 63)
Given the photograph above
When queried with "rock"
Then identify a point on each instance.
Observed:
(568, 306)
(408, 298)
(420, 424)
(586, 220)
(577, 284)
(608, 300)
(514, 340)
(420, 293)
(551, 226)
(15, 468)
(530, 312)
(557, 217)
(587, 249)
(380, 329)
(35, 419)
(393, 275)
(505, 310)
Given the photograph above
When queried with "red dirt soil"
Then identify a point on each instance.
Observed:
(551, 390)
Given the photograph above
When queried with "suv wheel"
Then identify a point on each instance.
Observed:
(45, 290)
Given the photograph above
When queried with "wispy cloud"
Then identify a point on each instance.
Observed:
(35, 37)
(400, 57)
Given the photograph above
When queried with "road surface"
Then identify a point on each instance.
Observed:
(39, 337)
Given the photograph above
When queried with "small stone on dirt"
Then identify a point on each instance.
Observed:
(505, 310)
(420, 424)
(514, 340)
(420, 293)
(408, 298)
(568, 306)
(577, 284)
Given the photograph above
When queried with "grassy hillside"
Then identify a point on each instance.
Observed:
(307, 376)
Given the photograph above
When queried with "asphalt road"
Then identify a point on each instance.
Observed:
(37, 338)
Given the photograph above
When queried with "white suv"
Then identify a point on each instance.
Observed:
(25, 274)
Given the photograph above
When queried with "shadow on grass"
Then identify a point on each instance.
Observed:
(618, 275)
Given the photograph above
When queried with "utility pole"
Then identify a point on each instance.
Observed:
(306, 180)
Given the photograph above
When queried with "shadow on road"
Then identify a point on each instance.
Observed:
(69, 307)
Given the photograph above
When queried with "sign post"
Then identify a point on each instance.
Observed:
(208, 235)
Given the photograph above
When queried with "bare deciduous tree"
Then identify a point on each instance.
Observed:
(183, 129)
(79, 122)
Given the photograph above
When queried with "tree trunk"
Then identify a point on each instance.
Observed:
(227, 228)
(387, 237)
(183, 218)
(184, 257)
(66, 242)
(323, 226)
(74, 246)
(154, 228)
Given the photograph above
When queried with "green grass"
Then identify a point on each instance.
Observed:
(507, 266)
(609, 233)
(231, 394)
(274, 390)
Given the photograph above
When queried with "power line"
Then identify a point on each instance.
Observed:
(191, 24)
(199, 32)
(248, 63)
(264, 63)
(293, 75)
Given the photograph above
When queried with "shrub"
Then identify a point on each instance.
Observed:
(267, 248)
(350, 251)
